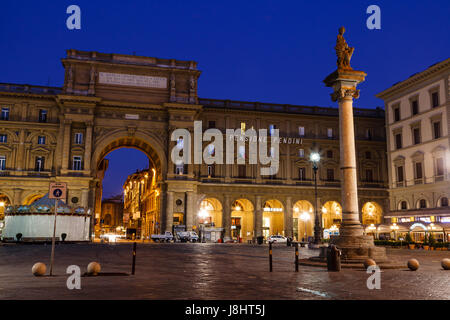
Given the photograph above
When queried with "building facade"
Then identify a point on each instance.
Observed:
(110, 101)
(112, 214)
(418, 140)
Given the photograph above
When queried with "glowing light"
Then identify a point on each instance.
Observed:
(334, 228)
(304, 216)
(315, 157)
(2, 204)
(324, 210)
(296, 209)
(238, 208)
(203, 214)
(394, 226)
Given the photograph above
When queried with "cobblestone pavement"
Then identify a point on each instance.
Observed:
(210, 271)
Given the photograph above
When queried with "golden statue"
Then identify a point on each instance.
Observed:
(343, 51)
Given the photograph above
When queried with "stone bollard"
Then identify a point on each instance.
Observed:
(93, 268)
(413, 264)
(445, 263)
(333, 258)
(38, 269)
(369, 262)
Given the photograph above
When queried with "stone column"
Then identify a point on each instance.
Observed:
(17, 198)
(258, 217)
(226, 218)
(88, 147)
(85, 198)
(288, 218)
(21, 150)
(169, 211)
(66, 144)
(190, 210)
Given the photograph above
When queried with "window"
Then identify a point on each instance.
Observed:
(397, 114)
(179, 169)
(211, 124)
(369, 175)
(330, 154)
(416, 135)
(400, 177)
(302, 173)
(78, 138)
(404, 205)
(242, 127)
(398, 141)
(444, 202)
(272, 128)
(414, 107)
(418, 172)
(242, 172)
(42, 115)
(39, 164)
(2, 162)
(301, 131)
(330, 132)
(5, 114)
(422, 203)
(330, 174)
(211, 150)
(3, 138)
(439, 169)
(241, 152)
(76, 163)
(301, 153)
(437, 129)
(369, 134)
(435, 99)
(368, 155)
(41, 140)
(211, 171)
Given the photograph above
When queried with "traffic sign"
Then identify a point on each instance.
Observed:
(57, 190)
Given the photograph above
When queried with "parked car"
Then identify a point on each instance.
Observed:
(166, 237)
(277, 239)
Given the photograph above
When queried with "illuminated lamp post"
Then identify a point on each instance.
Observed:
(315, 158)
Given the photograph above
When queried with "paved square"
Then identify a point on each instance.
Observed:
(210, 271)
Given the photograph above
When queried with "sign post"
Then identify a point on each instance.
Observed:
(56, 191)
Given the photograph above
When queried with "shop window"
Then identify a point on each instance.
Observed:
(3, 138)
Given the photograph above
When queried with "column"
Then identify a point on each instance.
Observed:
(169, 211)
(21, 150)
(258, 217)
(190, 210)
(88, 147)
(66, 144)
(85, 198)
(288, 218)
(226, 218)
(17, 198)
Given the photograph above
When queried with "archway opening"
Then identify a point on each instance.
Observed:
(4, 202)
(242, 219)
(128, 189)
(331, 215)
(371, 213)
(303, 224)
(209, 220)
(32, 198)
(273, 218)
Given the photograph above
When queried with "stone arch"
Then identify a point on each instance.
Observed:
(242, 219)
(331, 213)
(372, 213)
(51, 138)
(440, 200)
(419, 201)
(12, 136)
(303, 219)
(31, 197)
(399, 204)
(273, 217)
(138, 140)
(209, 211)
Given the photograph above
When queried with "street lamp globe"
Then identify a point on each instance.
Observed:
(315, 157)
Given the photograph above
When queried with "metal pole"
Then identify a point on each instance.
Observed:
(317, 229)
(296, 257)
(53, 239)
(134, 259)
(270, 256)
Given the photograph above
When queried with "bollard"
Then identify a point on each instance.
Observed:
(296, 257)
(270, 256)
(333, 259)
(134, 259)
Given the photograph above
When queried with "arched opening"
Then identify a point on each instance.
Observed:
(331, 215)
(422, 204)
(403, 205)
(273, 218)
(371, 213)
(209, 220)
(303, 224)
(4, 202)
(32, 198)
(129, 174)
(242, 218)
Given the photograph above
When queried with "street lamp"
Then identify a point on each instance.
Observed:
(305, 217)
(315, 158)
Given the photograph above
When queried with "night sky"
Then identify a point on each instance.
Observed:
(268, 51)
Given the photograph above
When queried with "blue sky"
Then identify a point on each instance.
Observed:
(268, 51)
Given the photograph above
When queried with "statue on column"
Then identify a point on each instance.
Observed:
(343, 51)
